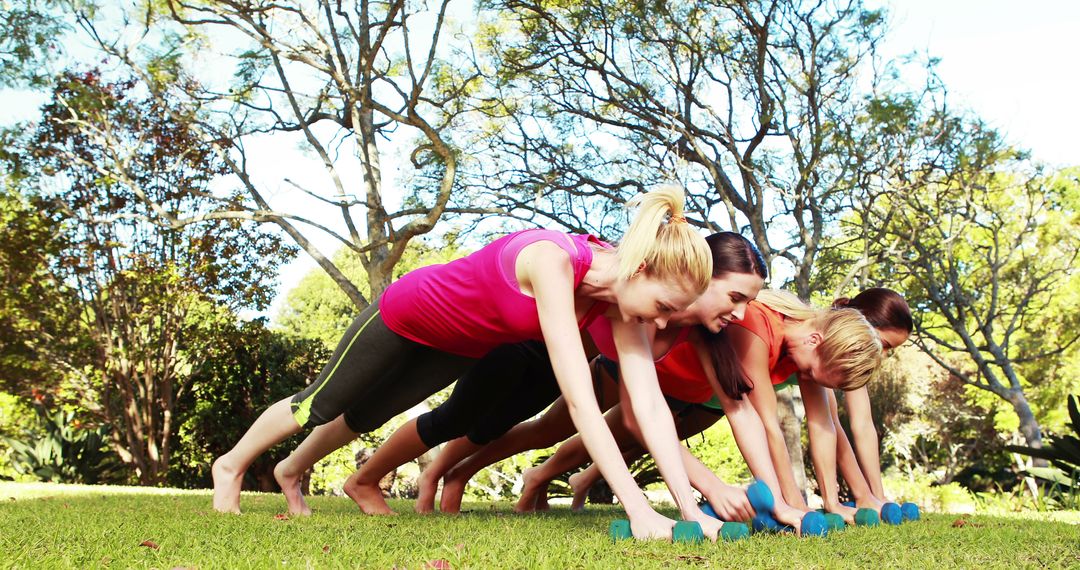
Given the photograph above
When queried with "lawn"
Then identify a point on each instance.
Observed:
(72, 526)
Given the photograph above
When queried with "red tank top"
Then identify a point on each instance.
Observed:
(768, 325)
(473, 304)
(681, 375)
(685, 387)
(684, 377)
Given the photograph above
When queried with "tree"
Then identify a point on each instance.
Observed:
(30, 32)
(334, 78)
(748, 104)
(983, 246)
(105, 317)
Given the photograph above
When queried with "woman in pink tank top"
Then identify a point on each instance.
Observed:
(386, 363)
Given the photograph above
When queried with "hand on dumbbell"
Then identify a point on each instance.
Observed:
(844, 511)
(729, 503)
(864, 516)
(651, 525)
(812, 523)
(710, 525)
(910, 511)
(786, 515)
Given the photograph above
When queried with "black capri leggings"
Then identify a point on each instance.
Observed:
(511, 384)
(373, 375)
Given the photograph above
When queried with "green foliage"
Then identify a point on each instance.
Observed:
(108, 279)
(30, 38)
(244, 368)
(924, 490)
(939, 430)
(17, 418)
(34, 304)
(716, 448)
(1063, 452)
(60, 449)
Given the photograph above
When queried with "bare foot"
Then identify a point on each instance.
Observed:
(531, 491)
(453, 489)
(427, 486)
(580, 485)
(367, 496)
(227, 483)
(542, 499)
(290, 487)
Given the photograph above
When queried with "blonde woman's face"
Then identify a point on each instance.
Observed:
(808, 361)
(723, 302)
(649, 300)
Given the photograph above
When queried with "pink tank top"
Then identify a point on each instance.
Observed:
(473, 304)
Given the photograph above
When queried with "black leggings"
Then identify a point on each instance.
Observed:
(374, 375)
(511, 384)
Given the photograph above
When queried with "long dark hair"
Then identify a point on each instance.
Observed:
(731, 253)
(884, 308)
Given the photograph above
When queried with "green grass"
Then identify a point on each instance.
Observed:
(71, 526)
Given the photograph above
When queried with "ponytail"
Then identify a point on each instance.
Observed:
(660, 237)
(884, 308)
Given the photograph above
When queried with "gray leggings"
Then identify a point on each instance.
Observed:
(374, 375)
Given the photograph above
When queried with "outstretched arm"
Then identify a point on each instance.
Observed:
(819, 423)
(865, 435)
(754, 360)
(649, 408)
(550, 278)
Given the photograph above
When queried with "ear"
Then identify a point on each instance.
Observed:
(641, 268)
(813, 339)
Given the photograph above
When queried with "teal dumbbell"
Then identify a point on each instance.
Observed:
(813, 524)
(764, 522)
(835, 521)
(760, 496)
(732, 531)
(620, 530)
(687, 531)
(891, 514)
(866, 517)
(909, 511)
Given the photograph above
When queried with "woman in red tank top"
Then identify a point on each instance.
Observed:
(886, 311)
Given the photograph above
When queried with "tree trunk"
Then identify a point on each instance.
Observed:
(1029, 426)
(791, 424)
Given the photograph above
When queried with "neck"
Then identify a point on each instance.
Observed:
(796, 331)
(600, 280)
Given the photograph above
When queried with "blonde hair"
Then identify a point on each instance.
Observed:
(660, 237)
(849, 343)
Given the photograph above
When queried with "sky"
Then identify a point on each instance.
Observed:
(1013, 64)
